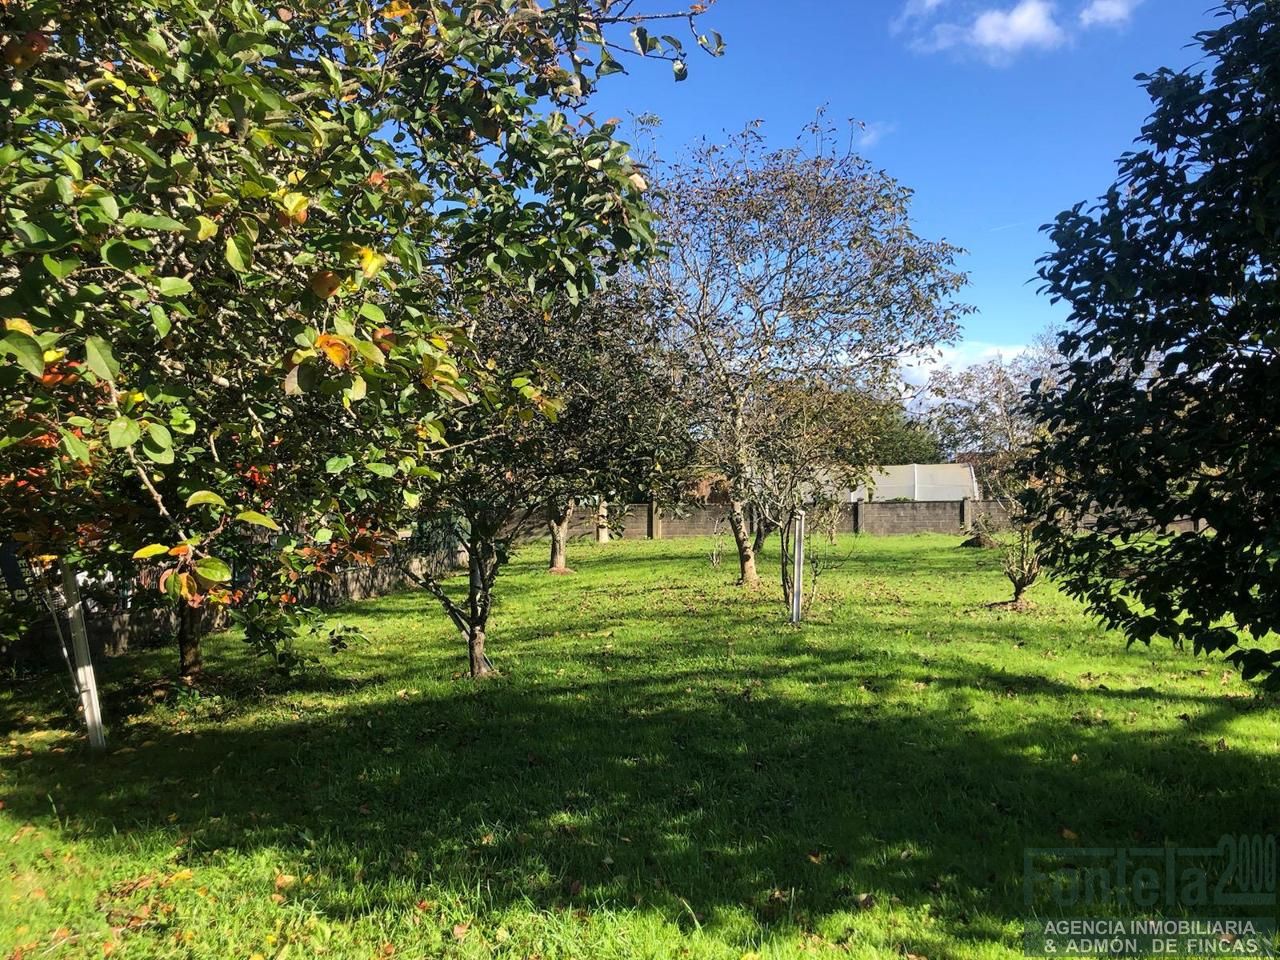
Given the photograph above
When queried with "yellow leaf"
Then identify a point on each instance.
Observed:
(396, 9)
(17, 323)
(335, 348)
(370, 262)
(294, 203)
(205, 228)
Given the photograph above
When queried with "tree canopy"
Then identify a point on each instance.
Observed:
(792, 266)
(231, 239)
(1167, 406)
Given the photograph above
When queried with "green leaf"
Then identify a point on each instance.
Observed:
(123, 432)
(149, 551)
(338, 464)
(257, 519)
(679, 69)
(60, 269)
(158, 444)
(26, 350)
(160, 320)
(173, 286)
(97, 354)
(74, 446)
(107, 204)
(331, 71)
(373, 312)
(205, 496)
(149, 221)
(381, 469)
(213, 570)
(239, 253)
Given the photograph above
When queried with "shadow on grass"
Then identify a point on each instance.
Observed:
(672, 774)
(621, 792)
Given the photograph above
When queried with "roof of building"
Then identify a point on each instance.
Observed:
(920, 481)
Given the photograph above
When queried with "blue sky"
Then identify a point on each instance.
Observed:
(998, 113)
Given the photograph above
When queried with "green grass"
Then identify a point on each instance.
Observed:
(665, 769)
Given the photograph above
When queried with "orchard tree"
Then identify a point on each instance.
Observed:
(983, 411)
(796, 266)
(596, 421)
(622, 434)
(228, 241)
(812, 443)
(1168, 406)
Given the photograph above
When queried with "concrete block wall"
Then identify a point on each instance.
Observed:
(889, 519)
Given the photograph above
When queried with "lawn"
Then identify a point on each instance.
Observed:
(665, 769)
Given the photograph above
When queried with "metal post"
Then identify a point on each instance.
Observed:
(86, 680)
(797, 576)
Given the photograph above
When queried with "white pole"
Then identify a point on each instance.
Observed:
(797, 576)
(86, 680)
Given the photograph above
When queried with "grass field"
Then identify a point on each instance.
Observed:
(665, 770)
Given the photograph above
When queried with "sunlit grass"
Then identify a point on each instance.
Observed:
(665, 768)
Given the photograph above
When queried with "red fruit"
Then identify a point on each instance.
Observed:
(23, 54)
(324, 283)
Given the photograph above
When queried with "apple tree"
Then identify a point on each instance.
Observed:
(230, 238)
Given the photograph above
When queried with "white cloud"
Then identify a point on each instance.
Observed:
(1109, 13)
(914, 10)
(996, 33)
(1029, 24)
(869, 134)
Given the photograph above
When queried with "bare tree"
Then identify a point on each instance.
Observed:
(795, 265)
(981, 411)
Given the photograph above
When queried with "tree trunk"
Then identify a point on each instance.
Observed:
(483, 564)
(602, 521)
(480, 665)
(558, 523)
(763, 529)
(784, 564)
(190, 661)
(742, 538)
